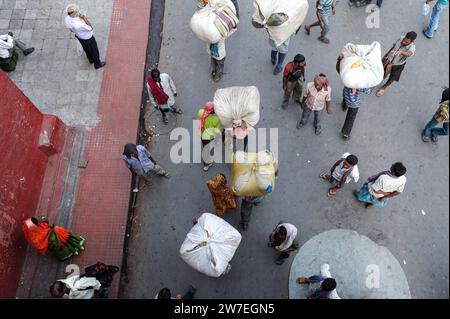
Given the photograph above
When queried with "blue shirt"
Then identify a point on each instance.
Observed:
(443, 3)
(325, 7)
(354, 100)
(141, 165)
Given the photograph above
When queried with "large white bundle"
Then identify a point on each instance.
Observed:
(362, 66)
(296, 10)
(210, 245)
(202, 22)
(234, 105)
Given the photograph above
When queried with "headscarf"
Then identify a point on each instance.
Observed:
(207, 110)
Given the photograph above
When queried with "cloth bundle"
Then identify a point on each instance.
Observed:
(362, 66)
(222, 197)
(281, 18)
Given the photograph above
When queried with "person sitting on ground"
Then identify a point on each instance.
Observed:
(75, 287)
(162, 92)
(284, 239)
(140, 162)
(342, 172)
(321, 286)
(8, 56)
(431, 132)
(165, 293)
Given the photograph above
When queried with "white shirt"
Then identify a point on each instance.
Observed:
(77, 284)
(168, 87)
(387, 184)
(325, 272)
(291, 231)
(339, 171)
(6, 44)
(79, 27)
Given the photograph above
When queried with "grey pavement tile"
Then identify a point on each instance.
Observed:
(90, 98)
(62, 43)
(76, 99)
(21, 4)
(18, 14)
(4, 23)
(41, 24)
(60, 54)
(5, 13)
(51, 33)
(34, 4)
(31, 13)
(8, 4)
(28, 24)
(26, 35)
(82, 75)
(15, 24)
(43, 13)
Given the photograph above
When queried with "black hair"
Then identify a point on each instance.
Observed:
(299, 58)
(281, 232)
(445, 95)
(57, 286)
(328, 284)
(398, 169)
(411, 35)
(129, 149)
(164, 293)
(352, 160)
(155, 74)
(322, 75)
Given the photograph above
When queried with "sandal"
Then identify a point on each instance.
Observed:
(324, 40)
(302, 280)
(177, 110)
(318, 131)
(308, 30)
(380, 92)
(332, 193)
(325, 176)
(165, 120)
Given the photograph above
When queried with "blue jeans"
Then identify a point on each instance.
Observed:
(317, 116)
(434, 22)
(431, 130)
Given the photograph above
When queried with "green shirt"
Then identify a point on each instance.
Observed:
(443, 2)
(212, 126)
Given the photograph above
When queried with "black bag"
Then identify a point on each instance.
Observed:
(9, 64)
(103, 273)
(295, 75)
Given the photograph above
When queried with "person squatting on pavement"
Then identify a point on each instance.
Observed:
(210, 130)
(317, 95)
(321, 286)
(379, 188)
(78, 23)
(165, 293)
(431, 132)
(342, 172)
(324, 9)
(140, 162)
(395, 60)
(284, 239)
(433, 26)
(293, 80)
(162, 92)
(8, 56)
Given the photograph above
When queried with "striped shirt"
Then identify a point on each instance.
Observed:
(325, 7)
(354, 100)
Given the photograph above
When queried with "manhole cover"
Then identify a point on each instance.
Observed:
(154, 124)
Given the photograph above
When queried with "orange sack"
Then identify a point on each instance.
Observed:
(222, 196)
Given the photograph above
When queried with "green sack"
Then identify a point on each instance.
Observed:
(9, 64)
(277, 19)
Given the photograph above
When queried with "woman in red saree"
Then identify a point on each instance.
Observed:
(62, 243)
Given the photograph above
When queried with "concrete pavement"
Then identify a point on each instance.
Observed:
(387, 130)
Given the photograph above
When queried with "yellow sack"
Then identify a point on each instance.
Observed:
(252, 174)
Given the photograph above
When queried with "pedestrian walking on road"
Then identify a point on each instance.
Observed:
(218, 54)
(324, 9)
(165, 293)
(8, 56)
(342, 172)
(317, 95)
(210, 130)
(395, 60)
(75, 287)
(79, 24)
(140, 162)
(433, 26)
(431, 132)
(162, 92)
(284, 239)
(293, 80)
(43, 237)
(278, 54)
(321, 286)
(381, 187)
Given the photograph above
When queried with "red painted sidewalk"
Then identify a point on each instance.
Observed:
(101, 204)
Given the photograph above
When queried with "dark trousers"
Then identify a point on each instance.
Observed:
(246, 211)
(349, 120)
(91, 49)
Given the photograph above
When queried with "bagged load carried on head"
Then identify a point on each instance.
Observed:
(253, 174)
(362, 66)
(210, 245)
(281, 18)
(216, 20)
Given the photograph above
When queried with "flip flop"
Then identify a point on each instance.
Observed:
(380, 92)
(324, 40)
(165, 120)
(308, 30)
(325, 176)
(330, 193)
